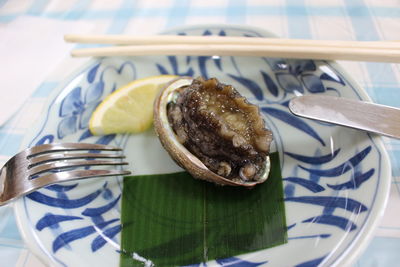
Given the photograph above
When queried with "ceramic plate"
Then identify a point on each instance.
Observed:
(336, 180)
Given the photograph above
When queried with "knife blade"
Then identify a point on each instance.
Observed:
(370, 117)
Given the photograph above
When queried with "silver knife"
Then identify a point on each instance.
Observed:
(380, 119)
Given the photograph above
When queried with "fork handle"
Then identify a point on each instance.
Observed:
(3, 174)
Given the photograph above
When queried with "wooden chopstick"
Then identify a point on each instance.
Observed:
(174, 39)
(379, 51)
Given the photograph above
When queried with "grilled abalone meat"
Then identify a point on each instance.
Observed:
(212, 131)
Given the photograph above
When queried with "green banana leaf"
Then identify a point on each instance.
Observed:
(173, 219)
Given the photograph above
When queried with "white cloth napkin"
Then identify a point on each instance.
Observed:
(30, 48)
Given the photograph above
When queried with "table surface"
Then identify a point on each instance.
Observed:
(309, 19)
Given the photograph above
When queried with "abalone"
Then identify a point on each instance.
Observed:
(212, 131)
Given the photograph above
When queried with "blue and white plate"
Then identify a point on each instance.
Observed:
(336, 180)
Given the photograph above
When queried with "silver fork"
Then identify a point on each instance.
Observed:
(47, 164)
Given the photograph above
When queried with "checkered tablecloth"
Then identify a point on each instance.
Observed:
(308, 19)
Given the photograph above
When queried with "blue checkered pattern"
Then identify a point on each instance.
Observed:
(311, 19)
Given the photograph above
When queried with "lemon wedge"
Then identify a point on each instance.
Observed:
(128, 109)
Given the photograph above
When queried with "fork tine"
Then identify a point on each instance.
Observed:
(67, 164)
(53, 178)
(74, 175)
(46, 148)
(62, 156)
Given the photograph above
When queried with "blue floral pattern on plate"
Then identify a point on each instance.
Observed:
(335, 179)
